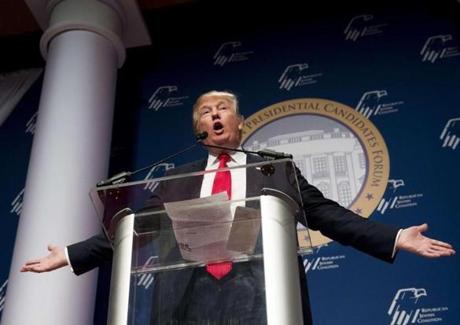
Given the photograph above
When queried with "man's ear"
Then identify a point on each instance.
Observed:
(240, 125)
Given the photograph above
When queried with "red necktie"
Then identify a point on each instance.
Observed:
(222, 183)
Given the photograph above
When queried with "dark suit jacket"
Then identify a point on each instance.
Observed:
(322, 214)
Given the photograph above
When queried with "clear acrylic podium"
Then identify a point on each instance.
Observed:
(163, 236)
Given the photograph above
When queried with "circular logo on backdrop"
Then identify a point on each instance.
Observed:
(337, 149)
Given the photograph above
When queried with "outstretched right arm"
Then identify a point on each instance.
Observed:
(82, 256)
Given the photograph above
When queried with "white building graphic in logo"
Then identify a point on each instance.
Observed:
(230, 52)
(439, 47)
(372, 103)
(17, 203)
(360, 26)
(296, 75)
(331, 159)
(31, 124)
(450, 135)
(3, 294)
(164, 96)
(155, 172)
(337, 149)
(403, 308)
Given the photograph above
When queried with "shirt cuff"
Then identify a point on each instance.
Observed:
(395, 250)
(68, 259)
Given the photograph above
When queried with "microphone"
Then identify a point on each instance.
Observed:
(199, 137)
(266, 153)
(272, 154)
(121, 177)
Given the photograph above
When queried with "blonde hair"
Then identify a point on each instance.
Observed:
(214, 93)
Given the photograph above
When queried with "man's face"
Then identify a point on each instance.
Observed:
(217, 116)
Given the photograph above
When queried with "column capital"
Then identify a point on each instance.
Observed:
(90, 15)
(119, 21)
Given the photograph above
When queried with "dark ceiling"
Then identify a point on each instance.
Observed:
(166, 20)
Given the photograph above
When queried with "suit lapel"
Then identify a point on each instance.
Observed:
(193, 183)
(188, 187)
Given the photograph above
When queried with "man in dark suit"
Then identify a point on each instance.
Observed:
(217, 114)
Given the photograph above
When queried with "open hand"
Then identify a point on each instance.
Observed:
(412, 240)
(53, 261)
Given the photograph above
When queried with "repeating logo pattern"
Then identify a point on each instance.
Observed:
(296, 75)
(145, 280)
(361, 26)
(155, 172)
(405, 308)
(230, 52)
(439, 47)
(31, 124)
(372, 103)
(450, 135)
(386, 203)
(2, 295)
(321, 263)
(17, 203)
(393, 201)
(164, 96)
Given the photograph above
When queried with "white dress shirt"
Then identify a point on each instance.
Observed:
(238, 175)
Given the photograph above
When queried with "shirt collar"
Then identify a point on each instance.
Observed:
(236, 158)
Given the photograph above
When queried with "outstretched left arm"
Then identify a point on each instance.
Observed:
(412, 240)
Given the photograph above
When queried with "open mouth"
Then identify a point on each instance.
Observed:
(218, 127)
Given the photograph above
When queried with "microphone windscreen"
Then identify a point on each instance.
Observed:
(201, 136)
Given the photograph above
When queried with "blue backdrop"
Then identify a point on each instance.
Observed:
(396, 64)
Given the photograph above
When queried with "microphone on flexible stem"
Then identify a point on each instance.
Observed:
(266, 153)
(121, 177)
(272, 154)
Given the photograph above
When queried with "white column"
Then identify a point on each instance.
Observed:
(333, 187)
(351, 174)
(69, 156)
